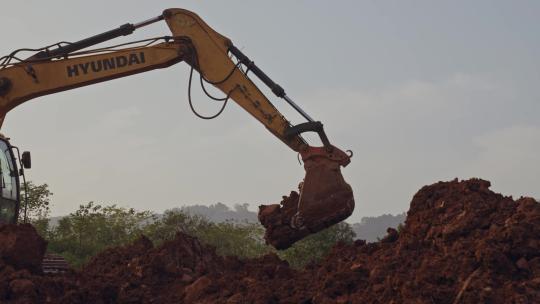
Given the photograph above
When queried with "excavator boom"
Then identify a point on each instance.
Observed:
(324, 199)
(30, 79)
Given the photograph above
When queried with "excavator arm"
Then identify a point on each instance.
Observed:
(33, 78)
(324, 199)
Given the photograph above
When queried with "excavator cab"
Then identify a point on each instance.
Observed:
(9, 183)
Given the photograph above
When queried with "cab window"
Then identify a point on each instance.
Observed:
(8, 182)
(7, 211)
(8, 185)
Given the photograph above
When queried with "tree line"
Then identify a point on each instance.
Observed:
(94, 227)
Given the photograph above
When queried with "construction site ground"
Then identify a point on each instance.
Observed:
(461, 243)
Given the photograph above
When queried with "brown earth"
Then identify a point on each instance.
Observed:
(461, 243)
(21, 247)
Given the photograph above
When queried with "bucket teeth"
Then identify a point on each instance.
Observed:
(325, 199)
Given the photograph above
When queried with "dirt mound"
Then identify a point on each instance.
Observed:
(142, 272)
(461, 243)
(21, 247)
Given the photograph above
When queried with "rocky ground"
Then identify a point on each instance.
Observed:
(461, 243)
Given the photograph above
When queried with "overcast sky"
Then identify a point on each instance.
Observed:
(421, 91)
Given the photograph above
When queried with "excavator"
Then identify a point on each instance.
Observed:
(324, 198)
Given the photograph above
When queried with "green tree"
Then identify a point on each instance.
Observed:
(173, 221)
(36, 203)
(229, 238)
(318, 245)
(92, 228)
(244, 240)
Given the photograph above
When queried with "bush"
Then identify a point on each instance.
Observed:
(94, 227)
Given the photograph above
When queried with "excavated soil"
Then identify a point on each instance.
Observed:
(21, 247)
(461, 243)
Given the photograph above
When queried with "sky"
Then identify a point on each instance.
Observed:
(421, 91)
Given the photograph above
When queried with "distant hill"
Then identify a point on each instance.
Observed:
(220, 212)
(371, 228)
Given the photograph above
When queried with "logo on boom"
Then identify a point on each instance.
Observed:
(105, 64)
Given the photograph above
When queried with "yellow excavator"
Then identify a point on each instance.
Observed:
(324, 197)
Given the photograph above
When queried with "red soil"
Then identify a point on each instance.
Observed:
(461, 243)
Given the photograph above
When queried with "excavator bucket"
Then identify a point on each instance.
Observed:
(324, 200)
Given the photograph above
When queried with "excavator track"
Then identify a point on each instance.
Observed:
(53, 264)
